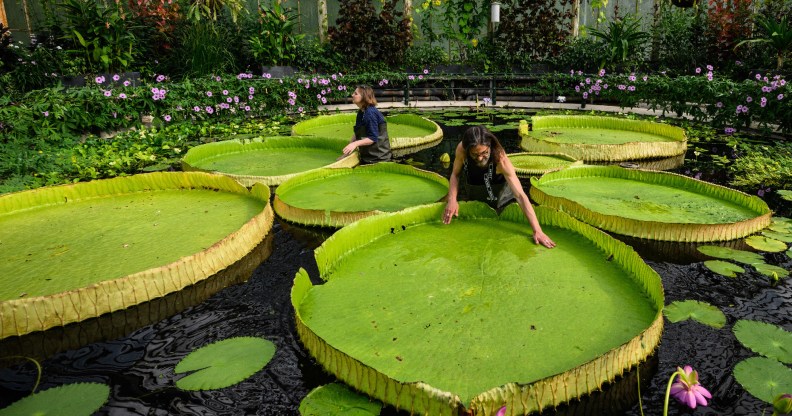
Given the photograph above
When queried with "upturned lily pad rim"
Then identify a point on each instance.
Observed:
(333, 218)
(197, 154)
(655, 230)
(590, 152)
(25, 315)
(519, 398)
(396, 142)
(523, 172)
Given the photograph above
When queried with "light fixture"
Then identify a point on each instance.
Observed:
(495, 11)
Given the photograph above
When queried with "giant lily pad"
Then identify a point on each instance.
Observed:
(699, 311)
(411, 308)
(766, 339)
(335, 399)
(764, 378)
(269, 161)
(75, 252)
(529, 164)
(336, 197)
(767, 244)
(77, 399)
(224, 363)
(652, 205)
(404, 130)
(594, 138)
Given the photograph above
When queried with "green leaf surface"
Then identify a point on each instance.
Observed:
(765, 339)
(723, 268)
(338, 400)
(771, 271)
(746, 257)
(765, 378)
(785, 194)
(783, 236)
(224, 363)
(78, 399)
(698, 311)
(762, 243)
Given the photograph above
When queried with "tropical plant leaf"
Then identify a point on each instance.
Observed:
(224, 363)
(762, 243)
(765, 339)
(338, 400)
(698, 311)
(765, 378)
(723, 268)
(77, 399)
(785, 194)
(784, 236)
(771, 271)
(781, 225)
(746, 257)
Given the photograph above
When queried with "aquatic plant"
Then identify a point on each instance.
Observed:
(224, 363)
(687, 389)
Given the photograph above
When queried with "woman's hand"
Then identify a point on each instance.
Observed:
(451, 210)
(543, 239)
(348, 149)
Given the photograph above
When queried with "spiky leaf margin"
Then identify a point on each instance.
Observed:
(701, 312)
(605, 152)
(76, 399)
(224, 363)
(339, 219)
(25, 315)
(765, 339)
(519, 398)
(196, 155)
(655, 230)
(396, 142)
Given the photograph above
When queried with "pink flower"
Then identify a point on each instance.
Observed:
(780, 96)
(46, 113)
(116, 77)
(225, 92)
(167, 117)
(108, 93)
(208, 93)
(127, 83)
(99, 80)
(425, 71)
(122, 96)
(698, 70)
(209, 110)
(501, 411)
(247, 108)
(160, 78)
(687, 389)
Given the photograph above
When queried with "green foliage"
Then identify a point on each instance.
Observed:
(337, 400)
(678, 38)
(699, 311)
(99, 34)
(212, 9)
(624, 42)
(728, 22)
(778, 35)
(76, 399)
(534, 30)
(424, 55)
(582, 53)
(204, 48)
(364, 36)
(723, 268)
(313, 56)
(762, 165)
(274, 41)
(460, 23)
(224, 363)
(764, 378)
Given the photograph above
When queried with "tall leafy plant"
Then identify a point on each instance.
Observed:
(99, 34)
(678, 41)
(624, 42)
(777, 34)
(535, 30)
(274, 41)
(728, 23)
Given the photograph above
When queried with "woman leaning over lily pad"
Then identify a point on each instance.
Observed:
(371, 130)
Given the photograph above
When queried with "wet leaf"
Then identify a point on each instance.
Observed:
(785, 194)
(765, 339)
(780, 236)
(224, 363)
(763, 377)
(77, 399)
(771, 271)
(741, 256)
(766, 244)
(337, 400)
(698, 311)
(723, 268)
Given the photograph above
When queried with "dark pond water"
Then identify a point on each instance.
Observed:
(135, 352)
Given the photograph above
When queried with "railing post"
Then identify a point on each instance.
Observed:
(493, 94)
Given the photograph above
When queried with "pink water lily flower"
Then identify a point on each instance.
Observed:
(687, 389)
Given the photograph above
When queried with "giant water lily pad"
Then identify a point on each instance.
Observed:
(652, 205)
(70, 253)
(595, 138)
(224, 363)
(699, 311)
(529, 164)
(412, 308)
(270, 161)
(404, 130)
(77, 399)
(336, 399)
(763, 377)
(766, 339)
(336, 197)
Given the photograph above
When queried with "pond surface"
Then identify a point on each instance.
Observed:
(140, 351)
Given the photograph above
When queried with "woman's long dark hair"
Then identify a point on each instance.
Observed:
(480, 135)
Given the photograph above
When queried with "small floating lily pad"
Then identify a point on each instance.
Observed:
(785, 194)
(728, 253)
(763, 377)
(780, 226)
(771, 271)
(765, 339)
(723, 268)
(698, 311)
(766, 244)
(338, 400)
(224, 363)
(527, 163)
(77, 399)
(780, 236)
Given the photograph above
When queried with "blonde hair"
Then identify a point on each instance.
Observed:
(366, 96)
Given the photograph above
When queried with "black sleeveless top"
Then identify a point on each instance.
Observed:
(486, 184)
